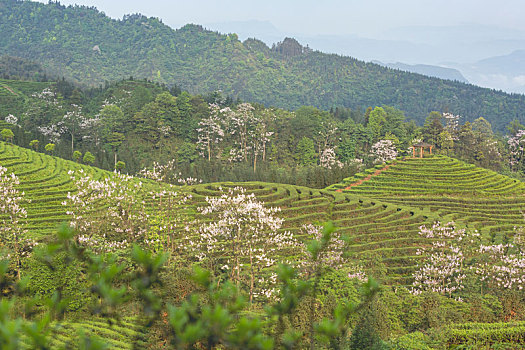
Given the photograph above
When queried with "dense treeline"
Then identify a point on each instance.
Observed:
(17, 68)
(88, 48)
(215, 138)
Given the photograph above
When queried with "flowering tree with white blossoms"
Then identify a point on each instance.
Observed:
(457, 253)
(109, 214)
(210, 131)
(167, 173)
(13, 217)
(259, 138)
(11, 119)
(53, 132)
(383, 151)
(442, 272)
(516, 148)
(452, 125)
(243, 235)
(332, 256)
(504, 267)
(329, 159)
(72, 123)
(240, 123)
(325, 137)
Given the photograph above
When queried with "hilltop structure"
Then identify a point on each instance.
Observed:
(421, 146)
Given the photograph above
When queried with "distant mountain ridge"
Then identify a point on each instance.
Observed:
(86, 47)
(429, 70)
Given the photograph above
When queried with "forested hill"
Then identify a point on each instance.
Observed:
(89, 48)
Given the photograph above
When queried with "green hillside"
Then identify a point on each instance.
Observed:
(481, 198)
(381, 216)
(15, 94)
(116, 336)
(45, 182)
(88, 48)
(374, 226)
(380, 233)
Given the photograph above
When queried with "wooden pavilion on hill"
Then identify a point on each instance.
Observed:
(421, 146)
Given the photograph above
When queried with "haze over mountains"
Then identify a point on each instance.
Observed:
(88, 48)
(484, 55)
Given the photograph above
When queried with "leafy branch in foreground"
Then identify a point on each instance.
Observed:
(216, 315)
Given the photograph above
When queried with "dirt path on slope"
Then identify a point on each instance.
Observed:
(9, 89)
(377, 172)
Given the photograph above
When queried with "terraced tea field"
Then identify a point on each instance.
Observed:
(381, 216)
(380, 233)
(116, 336)
(450, 189)
(45, 181)
(380, 211)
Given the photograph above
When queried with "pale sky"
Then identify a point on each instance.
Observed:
(361, 17)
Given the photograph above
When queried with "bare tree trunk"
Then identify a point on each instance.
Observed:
(72, 143)
(254, 163)
(252, 277)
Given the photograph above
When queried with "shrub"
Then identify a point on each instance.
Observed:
(7, 135)
(50, 147)
(89, 158)
(77, 155)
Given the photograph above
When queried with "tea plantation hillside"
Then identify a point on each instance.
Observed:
(380, 211)
(121, 336)
(480, 198)
(387, 232)
(381, 233)
(45, 181)
(14, 94)
(381, 216)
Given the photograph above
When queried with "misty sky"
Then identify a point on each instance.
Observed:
(361, 17)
